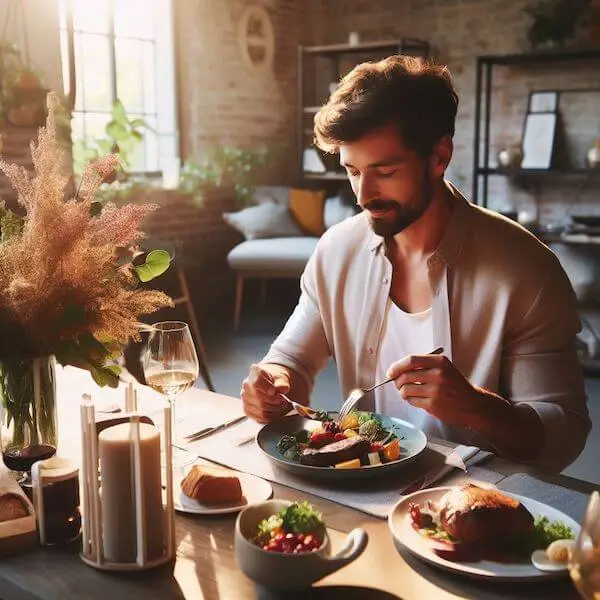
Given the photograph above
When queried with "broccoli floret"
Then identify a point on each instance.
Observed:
(286, 442)
(292, 453)
(371, 429)
(301, 517)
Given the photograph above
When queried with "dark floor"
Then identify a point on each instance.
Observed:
(230, 355)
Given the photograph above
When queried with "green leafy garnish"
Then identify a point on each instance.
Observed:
(286, 442)
(301, 517)
(545, 532)
(265, 527)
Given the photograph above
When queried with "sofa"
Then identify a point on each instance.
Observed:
(281, 230)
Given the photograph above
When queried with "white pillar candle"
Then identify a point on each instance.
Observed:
(118, 492)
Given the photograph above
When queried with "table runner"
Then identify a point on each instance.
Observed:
(570, 502)
(373, 496)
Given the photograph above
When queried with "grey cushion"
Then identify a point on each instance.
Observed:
(288, 255)
(264, 221)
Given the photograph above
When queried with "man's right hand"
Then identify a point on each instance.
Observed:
(260, 393)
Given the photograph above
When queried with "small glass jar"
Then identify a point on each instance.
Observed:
(56, 500)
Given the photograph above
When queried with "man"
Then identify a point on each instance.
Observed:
(420, 267)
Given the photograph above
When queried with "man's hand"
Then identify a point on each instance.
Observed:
(260, 393)
(433, 383)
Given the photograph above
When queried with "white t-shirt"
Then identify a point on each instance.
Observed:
(403, 334)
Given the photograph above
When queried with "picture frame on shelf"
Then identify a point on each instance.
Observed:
(539, 135)
(543, 102)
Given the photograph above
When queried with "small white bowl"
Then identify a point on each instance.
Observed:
(286, 572)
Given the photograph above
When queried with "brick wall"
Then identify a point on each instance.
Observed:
(459, 31)
(222, 99)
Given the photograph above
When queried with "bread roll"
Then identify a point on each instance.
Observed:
(12, 507)
(211, 485)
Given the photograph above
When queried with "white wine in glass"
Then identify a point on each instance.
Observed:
(170, 367)
(584, 563)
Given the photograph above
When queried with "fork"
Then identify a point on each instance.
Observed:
(358, 394)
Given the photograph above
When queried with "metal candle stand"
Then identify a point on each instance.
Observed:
(92, 534)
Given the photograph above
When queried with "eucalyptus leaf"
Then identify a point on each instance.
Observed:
(106, 375)
(157, 262)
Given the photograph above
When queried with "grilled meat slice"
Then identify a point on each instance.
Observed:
(483, 516)
(337, 452)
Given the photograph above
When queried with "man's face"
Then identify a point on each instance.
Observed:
(391, 183)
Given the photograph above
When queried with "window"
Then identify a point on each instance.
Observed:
(123, 50)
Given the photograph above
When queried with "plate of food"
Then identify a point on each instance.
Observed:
(484, 533)
(213, 490)
(364, 444)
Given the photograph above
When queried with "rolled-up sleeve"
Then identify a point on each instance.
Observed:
(541, 369)
(302, 345)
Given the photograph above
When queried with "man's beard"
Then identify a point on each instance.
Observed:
(403, 216)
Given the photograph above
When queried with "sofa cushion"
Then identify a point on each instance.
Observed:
(263, 221)
(336, 210)
(285, 255)
(307, 208)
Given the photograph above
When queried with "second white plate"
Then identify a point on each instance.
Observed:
(405, 536)
(254, 489)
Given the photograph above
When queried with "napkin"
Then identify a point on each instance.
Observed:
(456, 459)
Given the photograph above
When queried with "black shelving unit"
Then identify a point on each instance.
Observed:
(335, 53)
(483, 101)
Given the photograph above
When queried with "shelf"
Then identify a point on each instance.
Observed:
(537, 172)
(403, 44)
(540, 57)
(329, 175)
(311, 109)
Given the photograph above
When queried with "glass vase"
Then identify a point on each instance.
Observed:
(28, 427)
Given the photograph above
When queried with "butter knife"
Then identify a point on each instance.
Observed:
(203, 433)
(455, 460)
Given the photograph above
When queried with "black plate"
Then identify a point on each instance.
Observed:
(412, 442)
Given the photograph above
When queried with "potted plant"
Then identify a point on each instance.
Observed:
(69, 290)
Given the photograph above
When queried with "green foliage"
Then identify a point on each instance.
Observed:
(555, 21)
(123, 135)
(157, 262)
(238, 167)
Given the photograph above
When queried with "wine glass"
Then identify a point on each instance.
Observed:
(584, 563)
(170, 367)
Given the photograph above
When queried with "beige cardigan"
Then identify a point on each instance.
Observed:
(503, 309)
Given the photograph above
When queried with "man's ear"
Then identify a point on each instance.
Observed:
(440, 157)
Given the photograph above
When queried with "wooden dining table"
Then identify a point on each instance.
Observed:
(205, 567)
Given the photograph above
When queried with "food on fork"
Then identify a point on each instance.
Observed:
(211, 485)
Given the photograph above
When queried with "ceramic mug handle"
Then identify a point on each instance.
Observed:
(355, 545)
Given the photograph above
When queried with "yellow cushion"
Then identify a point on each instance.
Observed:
(307, 207)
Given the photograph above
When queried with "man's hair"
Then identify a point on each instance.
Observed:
(415, 94)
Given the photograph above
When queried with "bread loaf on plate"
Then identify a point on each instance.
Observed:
(211, 485)
(12, 507)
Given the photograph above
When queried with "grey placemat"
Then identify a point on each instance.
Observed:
(570, 502)
(375, 496)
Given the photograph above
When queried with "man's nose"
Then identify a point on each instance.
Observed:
(365, 190)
